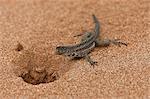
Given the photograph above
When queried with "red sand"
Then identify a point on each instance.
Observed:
(41, 25)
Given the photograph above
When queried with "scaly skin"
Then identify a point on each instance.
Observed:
(82, 45)
(88, 42)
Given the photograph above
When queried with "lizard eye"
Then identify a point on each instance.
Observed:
(73, 54)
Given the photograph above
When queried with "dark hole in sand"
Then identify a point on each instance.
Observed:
(35, 67)
(35, 78)
(19, 47)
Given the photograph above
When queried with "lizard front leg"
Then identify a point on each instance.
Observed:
(88, 58)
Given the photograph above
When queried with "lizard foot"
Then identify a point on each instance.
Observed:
(118, 43)
(93, 63)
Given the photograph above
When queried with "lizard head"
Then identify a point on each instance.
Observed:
(61, 50)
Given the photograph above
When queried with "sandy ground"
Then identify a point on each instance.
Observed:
(41, 25)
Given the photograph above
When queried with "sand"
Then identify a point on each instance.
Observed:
(39, 26)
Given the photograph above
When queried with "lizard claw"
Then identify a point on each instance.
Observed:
(93, 63)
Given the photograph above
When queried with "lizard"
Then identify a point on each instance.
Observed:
(81, 45)
(88, 42)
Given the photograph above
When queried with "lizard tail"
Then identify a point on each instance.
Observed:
(97, 25)
(95, 19)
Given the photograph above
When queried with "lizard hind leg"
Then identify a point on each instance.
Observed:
(103, 43)
(86, 36)
(107, 42)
